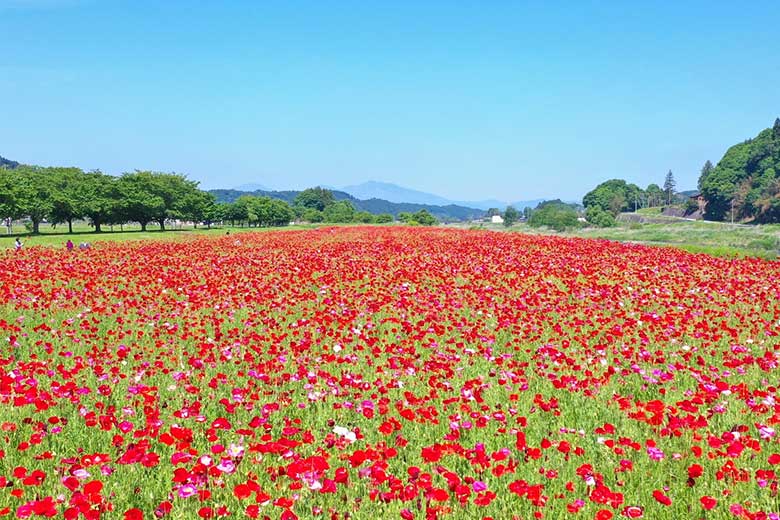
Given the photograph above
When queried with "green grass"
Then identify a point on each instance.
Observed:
(57, 237)
(712, 238)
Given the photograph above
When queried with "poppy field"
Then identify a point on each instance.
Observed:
(398, 372)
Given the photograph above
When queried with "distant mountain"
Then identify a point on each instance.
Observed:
(522, 204)
(7, 163)
(251, 187)
(447, 212)
(394, 193)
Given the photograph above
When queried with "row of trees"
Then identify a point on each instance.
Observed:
(608, 199)
(65, 195)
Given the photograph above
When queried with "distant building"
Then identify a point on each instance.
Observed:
(698, 198)
(496, 219)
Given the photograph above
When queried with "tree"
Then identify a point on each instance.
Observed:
(654, 195)
(776, 127)
(706, 170)
(315, 198)
(599, 218)
(195, 206)
(424, 218)
(236, 212)
(493, 212)
(101, 198)
(669, 184)
(32, 189)
(139, 199)
(339, 212)
(384, 218)
(364, 217)
(67, 196)
(554, 214)
(614, 196)
(312, 215)
(511, 215)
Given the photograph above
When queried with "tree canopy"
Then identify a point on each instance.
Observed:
(746, 180)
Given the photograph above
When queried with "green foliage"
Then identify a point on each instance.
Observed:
(614, 196)
(511, 215)
(599, 218)
(384, 218)
(706, 170)
(669, 185)
(364, 217)
(315, 198)
(554, 214)
(744, 183)
(340, 212)
(424, 218)
(654, 195)
(312, 215)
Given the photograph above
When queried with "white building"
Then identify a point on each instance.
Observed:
(496, 219)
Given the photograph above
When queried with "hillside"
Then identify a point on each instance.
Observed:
(375, 206)
(746, 180)
(7, 163)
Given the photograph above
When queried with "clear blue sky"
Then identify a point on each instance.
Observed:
(470, 100)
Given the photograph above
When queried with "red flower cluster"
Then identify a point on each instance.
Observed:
(388, 372)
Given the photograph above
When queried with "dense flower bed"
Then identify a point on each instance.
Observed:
(387, 373)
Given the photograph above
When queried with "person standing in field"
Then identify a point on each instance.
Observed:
(18, 244)
(69, 245)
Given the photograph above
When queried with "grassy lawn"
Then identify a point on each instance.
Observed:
(713, 238)
(83, 233)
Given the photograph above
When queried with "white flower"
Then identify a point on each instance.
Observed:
(345, 432)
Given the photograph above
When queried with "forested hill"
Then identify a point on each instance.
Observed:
(746, 179)
(7, 163)
(374, 206)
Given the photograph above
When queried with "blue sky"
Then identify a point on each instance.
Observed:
(469, 100)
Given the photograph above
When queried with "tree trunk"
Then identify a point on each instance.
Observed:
(36, 226)
(162, 224)
(97, 227)
(70, 225)
(143, 226)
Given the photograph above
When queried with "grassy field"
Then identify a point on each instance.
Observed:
(57, 237)
(712, 238)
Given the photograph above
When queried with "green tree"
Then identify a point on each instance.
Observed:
(140, 201)
(493, 212)
(101, 198)
(654, 195)
(706, 170)
(669, 185)
(384, 218)
(364, 217)
(599, 218)
(424, 218)
(236, 212)
(614, 196)
(511, 215)
(312, 215)
(32, 187)
(554, 214)
(67, 195)
(315, 198)
(339, 212)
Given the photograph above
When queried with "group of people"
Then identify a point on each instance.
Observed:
(69, 245)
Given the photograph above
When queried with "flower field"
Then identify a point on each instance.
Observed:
(370, 373)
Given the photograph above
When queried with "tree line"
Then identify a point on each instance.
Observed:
(66, 195)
